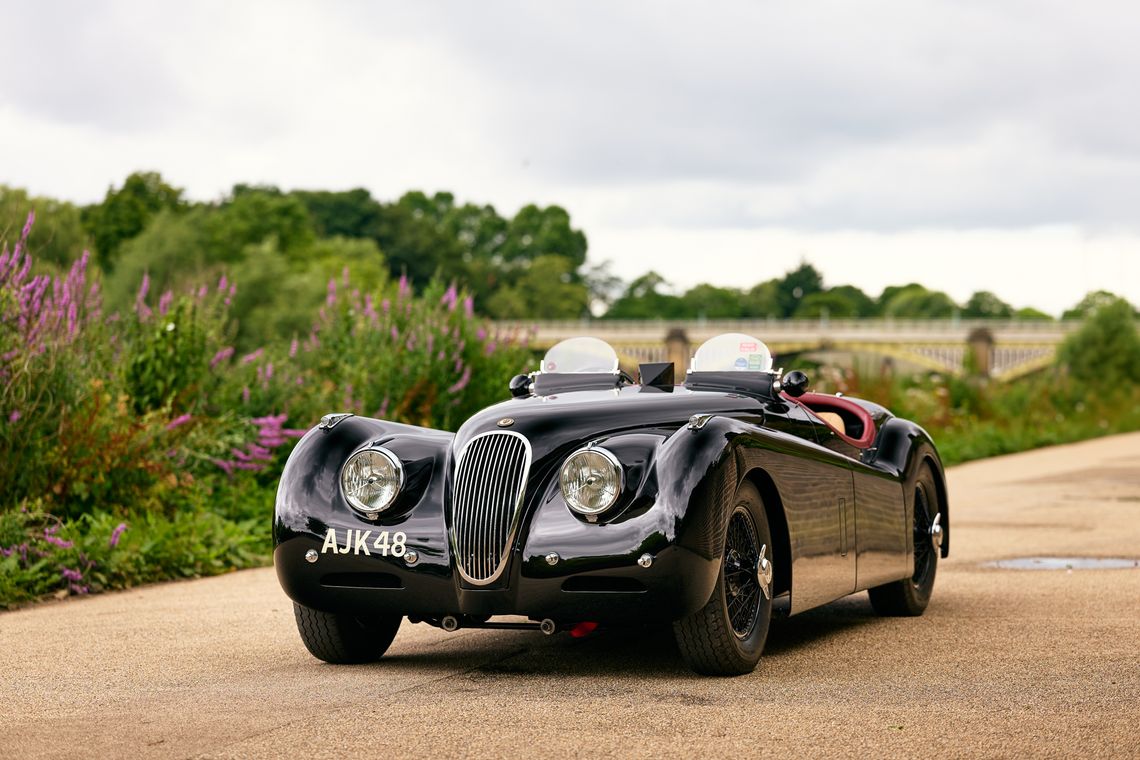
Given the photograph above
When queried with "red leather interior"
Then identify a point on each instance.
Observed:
(821, 402)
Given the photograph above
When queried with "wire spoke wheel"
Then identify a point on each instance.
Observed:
(741, 584)
(924, 560)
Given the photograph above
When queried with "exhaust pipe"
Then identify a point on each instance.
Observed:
(449, 624)
(547, 626)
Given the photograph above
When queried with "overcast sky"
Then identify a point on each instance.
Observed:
(966, 145)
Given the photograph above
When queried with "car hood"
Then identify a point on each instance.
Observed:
(562, 421)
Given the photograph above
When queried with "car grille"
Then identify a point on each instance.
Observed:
(489, 484)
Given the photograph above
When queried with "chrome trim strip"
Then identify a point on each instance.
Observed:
(486, 504)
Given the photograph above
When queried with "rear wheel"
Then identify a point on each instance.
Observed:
(727, 635)
(909, 596)
(345, 639)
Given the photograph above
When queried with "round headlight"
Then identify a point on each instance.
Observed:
(591, 480)
(371, 480)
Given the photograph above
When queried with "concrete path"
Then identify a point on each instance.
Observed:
(1005, 663)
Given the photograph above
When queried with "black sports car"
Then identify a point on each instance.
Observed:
(589, 498)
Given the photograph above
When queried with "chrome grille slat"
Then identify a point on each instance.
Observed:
(490, 480)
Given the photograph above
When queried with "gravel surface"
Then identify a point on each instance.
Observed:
(1005, 663)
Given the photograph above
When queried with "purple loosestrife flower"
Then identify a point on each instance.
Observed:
(165, 301)
(141, 309)
(344, 275)
(395, 333)
(57, 541)
(330, 299)
(469, 306)
(450, 297)
(293, 348)
(224, 465)
(223, 283)
(70, 575)
(245, 395)
(178, 421)
(14, 417)
(116, 534)
(462, 382)
(385, 305)
(252, 357)
(222, 356)
(404, 289)
(481, 333)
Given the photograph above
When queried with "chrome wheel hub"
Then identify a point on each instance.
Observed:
(936, 532)
(764, 572)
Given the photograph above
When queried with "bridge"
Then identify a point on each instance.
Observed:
(1000, 349)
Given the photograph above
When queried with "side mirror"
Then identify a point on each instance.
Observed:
(795, 384)
(520, 386)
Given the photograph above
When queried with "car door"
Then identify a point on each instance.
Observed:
(817, 491)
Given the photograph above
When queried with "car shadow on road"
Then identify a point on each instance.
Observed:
(646, 651)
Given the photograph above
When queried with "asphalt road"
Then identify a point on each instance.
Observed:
(1005, 663)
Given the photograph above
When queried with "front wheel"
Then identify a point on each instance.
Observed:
(727, 635)
(345, 639)
(908, 597)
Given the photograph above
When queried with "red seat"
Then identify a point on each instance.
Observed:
(846, 408)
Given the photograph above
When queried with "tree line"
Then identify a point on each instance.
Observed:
(282, 247)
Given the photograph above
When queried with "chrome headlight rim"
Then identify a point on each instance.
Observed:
(619, 470)
(358, 505)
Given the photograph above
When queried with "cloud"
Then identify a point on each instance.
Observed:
(735, 129)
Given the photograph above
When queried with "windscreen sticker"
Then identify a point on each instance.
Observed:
(742, 363)
(756, 361)
(747, 348)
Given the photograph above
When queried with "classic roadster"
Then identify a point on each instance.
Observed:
(590, 499)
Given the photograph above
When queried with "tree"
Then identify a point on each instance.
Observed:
(763, 301)
(173, 252)
(985, 305)
(916, 302)
(413, 236)
(253, 215)
(796, 285)
(535, 232)
(1090, 303)
(545, 290)
(711, 302)
(865, 306)
(1030, 314)
(831, 303)
(643, 299)
(125, 212)
(57, 237)
(1105, 351)
(351, 213)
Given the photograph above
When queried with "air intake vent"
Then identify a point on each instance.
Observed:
(490, 480)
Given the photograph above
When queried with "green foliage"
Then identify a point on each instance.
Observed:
(1105, 351)
(1092, 301)
(711, 302)
(916, 302)
(545, 289)
(125, 212)
(1030, 314)
(643, 299)
(168, 359)
(985, 305)
(796, 285)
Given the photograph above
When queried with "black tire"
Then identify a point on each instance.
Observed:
(719, 641)
(908, 597)
(344, 639)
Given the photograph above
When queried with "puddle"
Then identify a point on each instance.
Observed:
(1064, 563)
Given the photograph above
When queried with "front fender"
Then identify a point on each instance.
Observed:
(902, 448)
